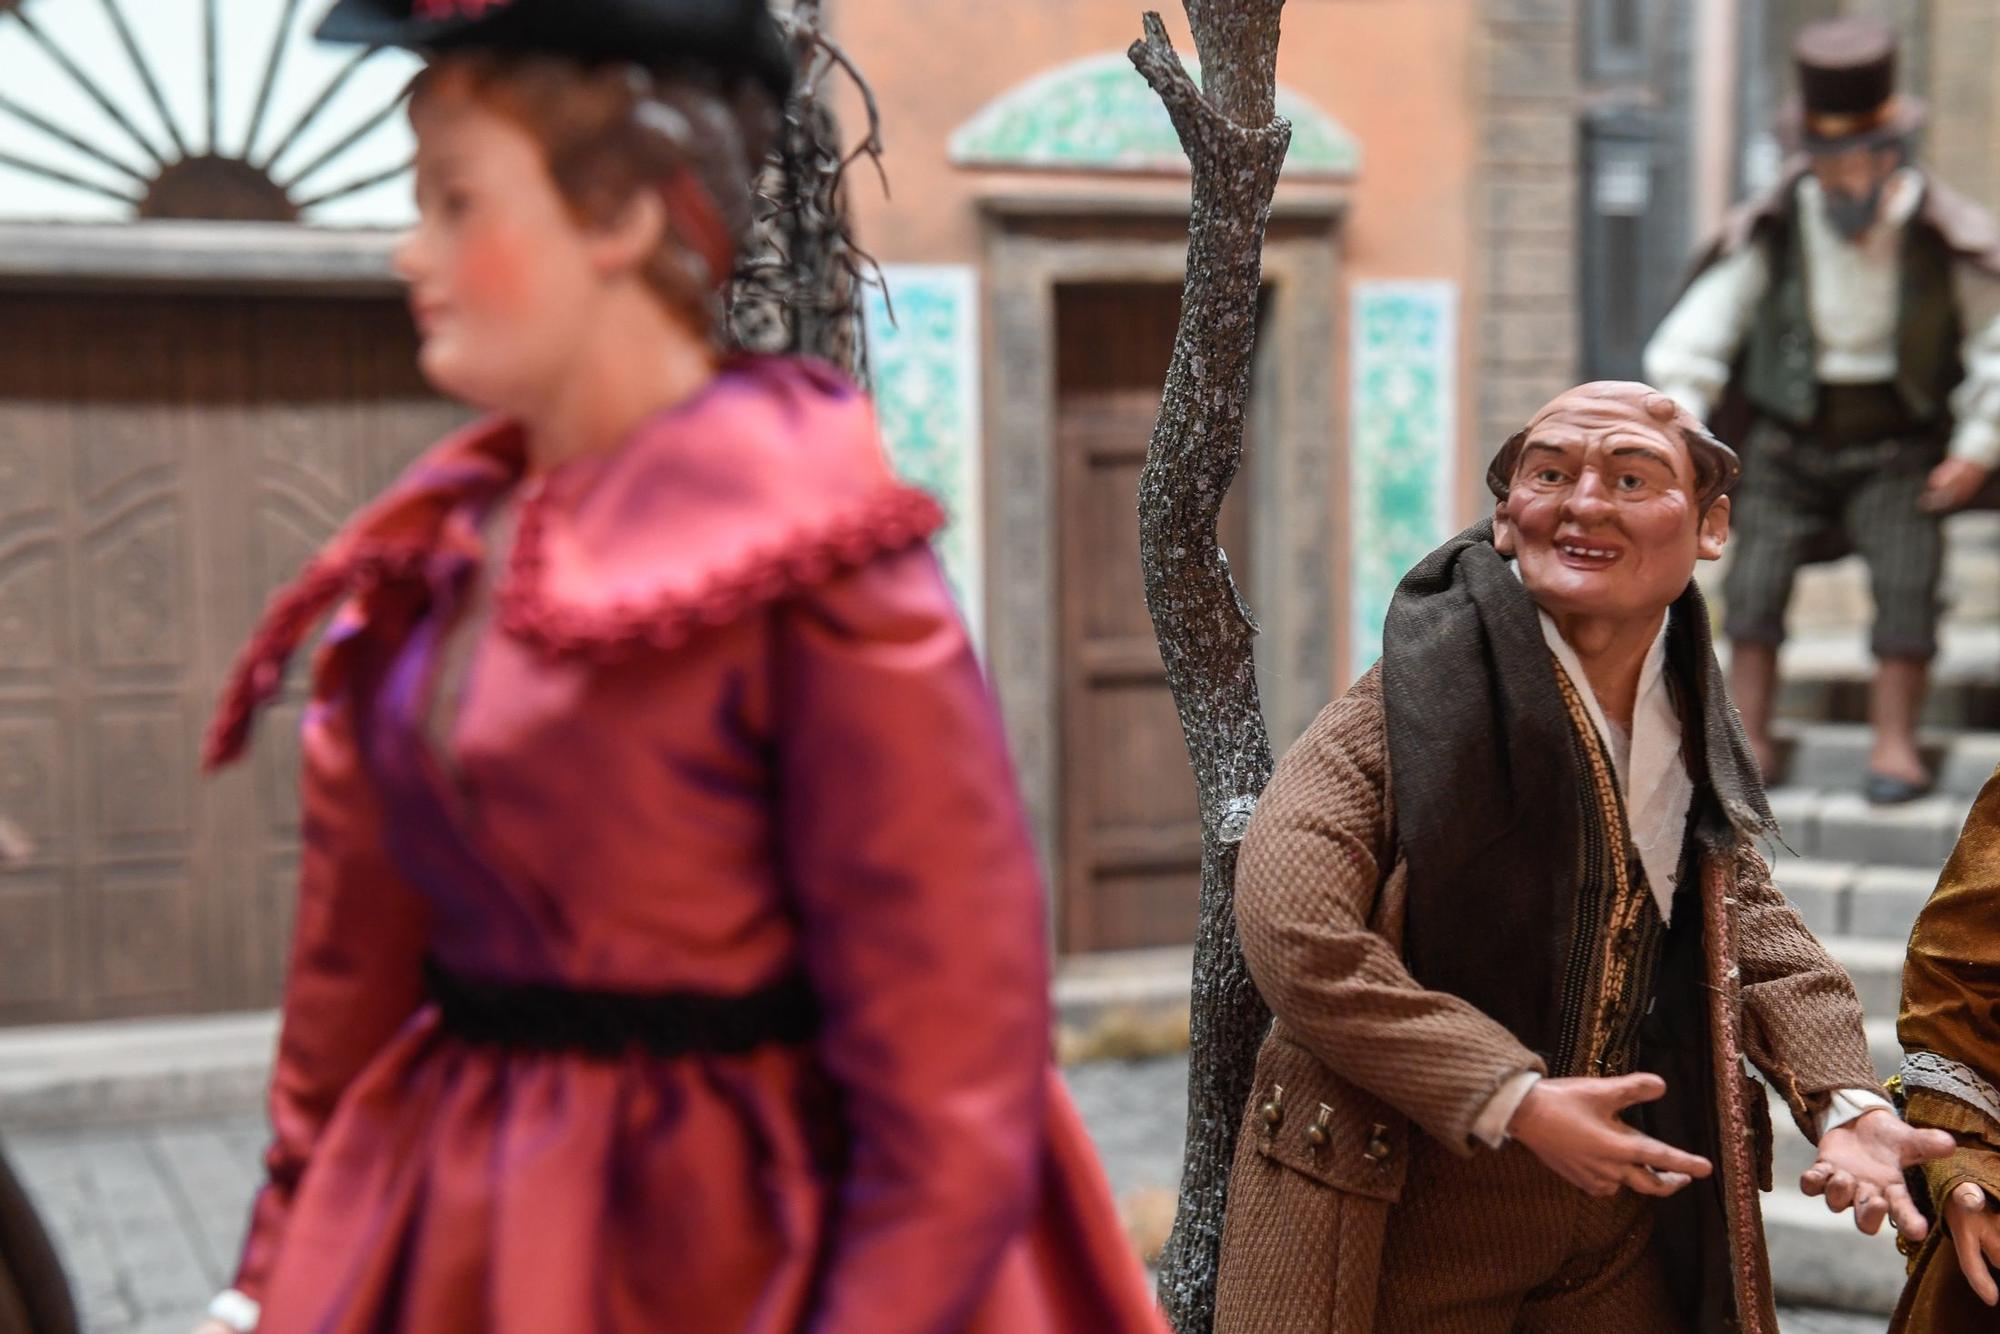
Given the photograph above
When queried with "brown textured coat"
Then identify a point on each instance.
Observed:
(1364, 1056)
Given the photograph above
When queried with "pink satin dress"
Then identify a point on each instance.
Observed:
(722, 728)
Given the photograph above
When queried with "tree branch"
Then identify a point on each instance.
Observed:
(1235, 145)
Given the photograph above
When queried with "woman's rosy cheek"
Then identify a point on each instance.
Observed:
(492, 274)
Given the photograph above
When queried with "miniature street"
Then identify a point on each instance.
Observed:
(148, 1215)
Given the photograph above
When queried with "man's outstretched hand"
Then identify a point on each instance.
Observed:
(1861, 1165)
(1572, 1125)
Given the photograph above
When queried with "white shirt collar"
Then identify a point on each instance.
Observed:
(1655, 783)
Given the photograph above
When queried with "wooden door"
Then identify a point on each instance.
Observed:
(1130, 844)
(164, 463)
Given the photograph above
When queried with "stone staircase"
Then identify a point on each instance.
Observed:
(1859, 877)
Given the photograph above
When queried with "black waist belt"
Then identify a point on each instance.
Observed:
(1864, 413)
(609, 1023)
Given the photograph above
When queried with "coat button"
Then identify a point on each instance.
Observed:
(1320, 1133)
(1379, 1149)
(1272, 1112)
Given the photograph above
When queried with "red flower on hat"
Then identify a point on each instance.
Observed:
(435, 10)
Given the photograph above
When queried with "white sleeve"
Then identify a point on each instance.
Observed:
(1976, 402)
(1849, 1104)
(1690, 353)
(1490, 1128)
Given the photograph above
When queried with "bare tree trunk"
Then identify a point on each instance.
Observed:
(1236, 145)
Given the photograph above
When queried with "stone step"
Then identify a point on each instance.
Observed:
(1821, 1259)
(1824, 673)
(1122, 1005)
(1876, 966)
(1964, 702)
(1833, 756)
(1840, 826)
(1854, 899)
(1090, 987)
(135, 1070)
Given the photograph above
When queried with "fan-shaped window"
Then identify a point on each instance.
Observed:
(113, 110)
(1098, 114)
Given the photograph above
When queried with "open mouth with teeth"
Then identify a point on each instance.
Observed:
(1587, 556)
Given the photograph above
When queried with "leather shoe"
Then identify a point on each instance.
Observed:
(1888, 790)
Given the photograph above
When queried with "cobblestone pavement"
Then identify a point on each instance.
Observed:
(148, 1218)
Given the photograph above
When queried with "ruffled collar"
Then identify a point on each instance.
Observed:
(768, 482)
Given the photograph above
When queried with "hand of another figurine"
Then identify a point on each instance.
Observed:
(1572, 1125)
(1952, 484)
(213, 1326)
(1975, 1232)
(1861, 1164)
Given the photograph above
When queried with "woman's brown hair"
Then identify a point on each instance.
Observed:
(609, 132)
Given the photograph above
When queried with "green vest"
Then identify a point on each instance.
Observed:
(1779, 373)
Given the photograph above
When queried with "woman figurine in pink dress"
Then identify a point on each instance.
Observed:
(670, 950)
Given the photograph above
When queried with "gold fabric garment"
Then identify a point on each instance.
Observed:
(1620, 934)
(1950, 1030)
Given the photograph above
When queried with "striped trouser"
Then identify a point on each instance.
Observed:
(1803, 499)
(1498, 1244)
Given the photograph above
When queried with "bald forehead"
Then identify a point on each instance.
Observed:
(1617, 423)
(1595, 414)
(1598, 419)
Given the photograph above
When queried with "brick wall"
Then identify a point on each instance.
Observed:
(1526, 216)
(1964, 140)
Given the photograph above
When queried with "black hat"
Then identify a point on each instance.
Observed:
(736, 36)
(1847, 88)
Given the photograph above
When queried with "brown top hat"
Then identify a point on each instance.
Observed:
(1847, 88)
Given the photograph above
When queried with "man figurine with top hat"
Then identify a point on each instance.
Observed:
(670, 949)
(1845, 327)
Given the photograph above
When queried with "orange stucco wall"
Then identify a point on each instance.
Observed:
(1398, 74)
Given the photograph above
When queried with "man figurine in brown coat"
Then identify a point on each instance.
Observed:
(1849, 321)
(1503, 901)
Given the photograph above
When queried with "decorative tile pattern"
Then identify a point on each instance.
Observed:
(925, 372)
(1099, 114)
(1403, 426)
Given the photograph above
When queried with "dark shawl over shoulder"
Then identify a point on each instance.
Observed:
(1485, 781)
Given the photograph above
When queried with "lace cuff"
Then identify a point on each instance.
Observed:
(1940, 1074)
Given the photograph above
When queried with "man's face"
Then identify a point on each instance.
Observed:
(1851, 181)
(1602, 511)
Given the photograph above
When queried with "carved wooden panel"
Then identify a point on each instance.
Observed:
(34, 966)
(165, 463)
(31, 577)
(1131, 829)
(142, 935)
(38, 902)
